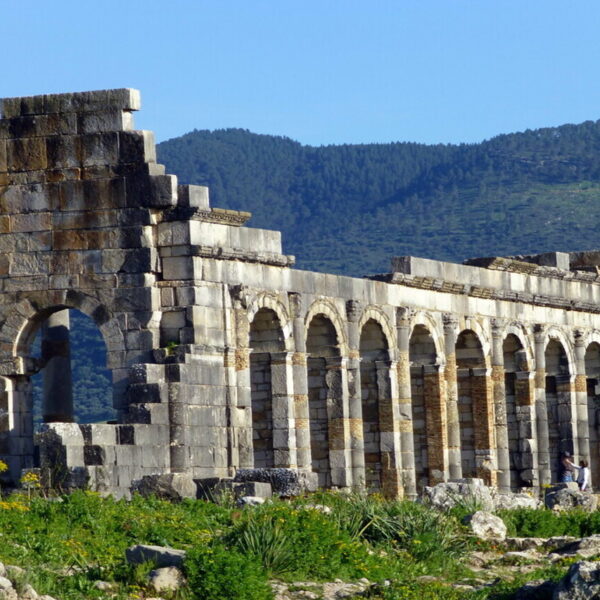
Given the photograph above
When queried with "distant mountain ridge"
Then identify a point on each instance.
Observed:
(349, 208)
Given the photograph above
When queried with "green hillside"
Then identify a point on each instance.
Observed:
(348, 209)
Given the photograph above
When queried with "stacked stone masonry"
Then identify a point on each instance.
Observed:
(223, 356)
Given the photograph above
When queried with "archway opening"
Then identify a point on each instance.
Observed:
(266, 338)
(422, 354)
(374, 364)
(73, 383)
(558, 405)
(469, 356)
(322, 348)
(592, 374)
(513, 356)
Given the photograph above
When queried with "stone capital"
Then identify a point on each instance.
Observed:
(498, 326)
(296, 304)
(450, 321)
(404, 316)
(579, 336)
(353, 310)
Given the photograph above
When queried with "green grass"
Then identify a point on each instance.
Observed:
(66, 544)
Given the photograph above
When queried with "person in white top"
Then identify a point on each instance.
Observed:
(583, 475)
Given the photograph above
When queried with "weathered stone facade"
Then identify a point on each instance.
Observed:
(223, 356)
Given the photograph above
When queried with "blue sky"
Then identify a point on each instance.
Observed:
(319, 71)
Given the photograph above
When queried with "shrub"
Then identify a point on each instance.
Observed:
(216, 572)
(303, 542)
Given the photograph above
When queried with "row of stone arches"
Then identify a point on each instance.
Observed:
(432, 418)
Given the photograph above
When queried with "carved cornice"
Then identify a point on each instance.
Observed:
(476, 291)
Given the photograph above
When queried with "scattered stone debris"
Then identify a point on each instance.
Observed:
(486, 526)
(160, 556)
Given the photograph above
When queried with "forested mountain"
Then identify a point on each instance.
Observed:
(349, 208)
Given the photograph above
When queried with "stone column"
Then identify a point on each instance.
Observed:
(282, 394)
(389, 434)
(340, 461)
(179, 447)
(434, 398)
(500, 406)
(357, 445)
(56, 355)
(581, 400)
(483, 416)
(525, 415)
(450, 336)
(567, 420)
(301, 409)
(238, 385)
(541, 413)
(407, 463)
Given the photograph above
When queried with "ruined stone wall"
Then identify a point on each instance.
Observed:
(185, 294)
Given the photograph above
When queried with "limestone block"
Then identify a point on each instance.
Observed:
(158, 555)
(62, 151)
(172, 486)
(182, 267)
(105, 120)
(98, 149)
(155, 457)
(25, 199)
(29, 264)
(26, 154)
(100, 434)
(136, 147)
(31, 222)
(3, 157)
(128, 455)
(193, 196)
(81, 102)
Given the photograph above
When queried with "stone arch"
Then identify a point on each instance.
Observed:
(271, 302)
(483, 337)
(426, 400)
(374, 313)
(475, 405)
(22, 324)
(525, 339)
(428, 322)
(592, 376)
(554, 333)
(324, 392)
(265, 339)
(328, 309)
(374, 372)
(17, 367)
(558, 393)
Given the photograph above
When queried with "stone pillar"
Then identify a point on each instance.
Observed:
(355, 395)
(434, 399)
(56, 355)
(581, 401)
(500, 406)
(282, 394)
(238, 388)
(340, 464)
(407, 462)
(525, 415)
(541, 413)
(301, 409)
(389, 434)
(483, 416)
(450, 336)
(179, 447)
(567, 421)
